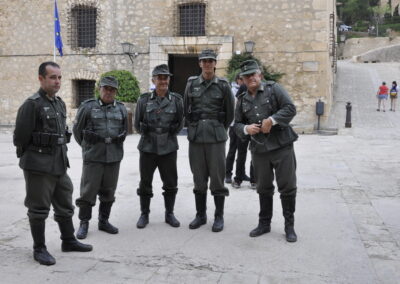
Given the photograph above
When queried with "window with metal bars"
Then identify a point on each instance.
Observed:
(84, 89)
(192, 19)
(83, 29)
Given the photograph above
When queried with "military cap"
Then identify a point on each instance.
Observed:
(249, 67)
(109, 81)
(161, 70)
(208, 54)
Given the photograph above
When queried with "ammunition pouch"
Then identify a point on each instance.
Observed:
(43, 139)
(93, 138)
(121, 137)
(173, 128)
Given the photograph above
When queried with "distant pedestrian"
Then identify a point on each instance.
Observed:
(236, 145)
(382, 95)
(393, 96)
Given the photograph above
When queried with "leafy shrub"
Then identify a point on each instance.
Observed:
(128, 89)
(234, 67)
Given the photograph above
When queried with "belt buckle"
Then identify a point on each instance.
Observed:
(60, 140)
(108, 140)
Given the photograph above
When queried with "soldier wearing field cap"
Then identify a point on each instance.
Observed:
(209, 110)
(100, 129)
(158, 118)
(264, 112)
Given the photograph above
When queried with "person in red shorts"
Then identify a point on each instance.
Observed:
(382, 96)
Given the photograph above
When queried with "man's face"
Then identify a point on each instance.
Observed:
(51, 82)
(252, 81)
(107, 94)
(161, 82)
(207, 65)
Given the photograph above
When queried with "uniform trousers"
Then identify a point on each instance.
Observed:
(280, 163)
(44, 190)
(98, 179)
(207, 161)
(166, 164)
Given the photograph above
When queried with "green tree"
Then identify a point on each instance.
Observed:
(379, 15)
(128, 89)
(237, 59)
(353, 11)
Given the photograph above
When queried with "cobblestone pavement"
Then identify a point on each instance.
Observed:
(346, 219)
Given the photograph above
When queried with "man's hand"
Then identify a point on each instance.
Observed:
(253, 129)
(266, 125)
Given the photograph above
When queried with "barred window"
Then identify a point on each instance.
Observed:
(83, 29)
(192, 19)
(83, 90)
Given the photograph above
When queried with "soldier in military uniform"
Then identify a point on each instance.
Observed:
(100, 128)
(264, 112)
(209, 110)
(158, 118)
(41, 135)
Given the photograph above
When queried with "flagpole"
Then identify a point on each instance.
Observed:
(57, 33)
(54, 45)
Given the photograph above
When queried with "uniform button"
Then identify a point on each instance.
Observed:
(204, 120)
(255, 107)
(40, 150)
(48, 117)
(57, 113)
(257, 114)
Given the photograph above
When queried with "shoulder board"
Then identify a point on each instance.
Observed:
(223, 79)
(192, 78)
(241, 95)
(121, 103)
(88, 100)
(35, 96)
(270, 83)
(59, 98)
(175, 95)
(145, 94)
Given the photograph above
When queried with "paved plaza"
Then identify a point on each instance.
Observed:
(347, 216)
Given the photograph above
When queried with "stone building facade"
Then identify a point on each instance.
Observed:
(295, 37)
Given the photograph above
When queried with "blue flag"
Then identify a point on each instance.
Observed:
(57, 30)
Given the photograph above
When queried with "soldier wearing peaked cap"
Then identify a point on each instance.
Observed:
(264, 112)
(158, 118)
(209, 110)
(41, 136)
(100, 129)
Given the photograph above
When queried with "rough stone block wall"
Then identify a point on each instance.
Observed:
(291, 36)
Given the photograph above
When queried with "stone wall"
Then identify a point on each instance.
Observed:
(291, 36)
(384, 54)
(358, 46)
